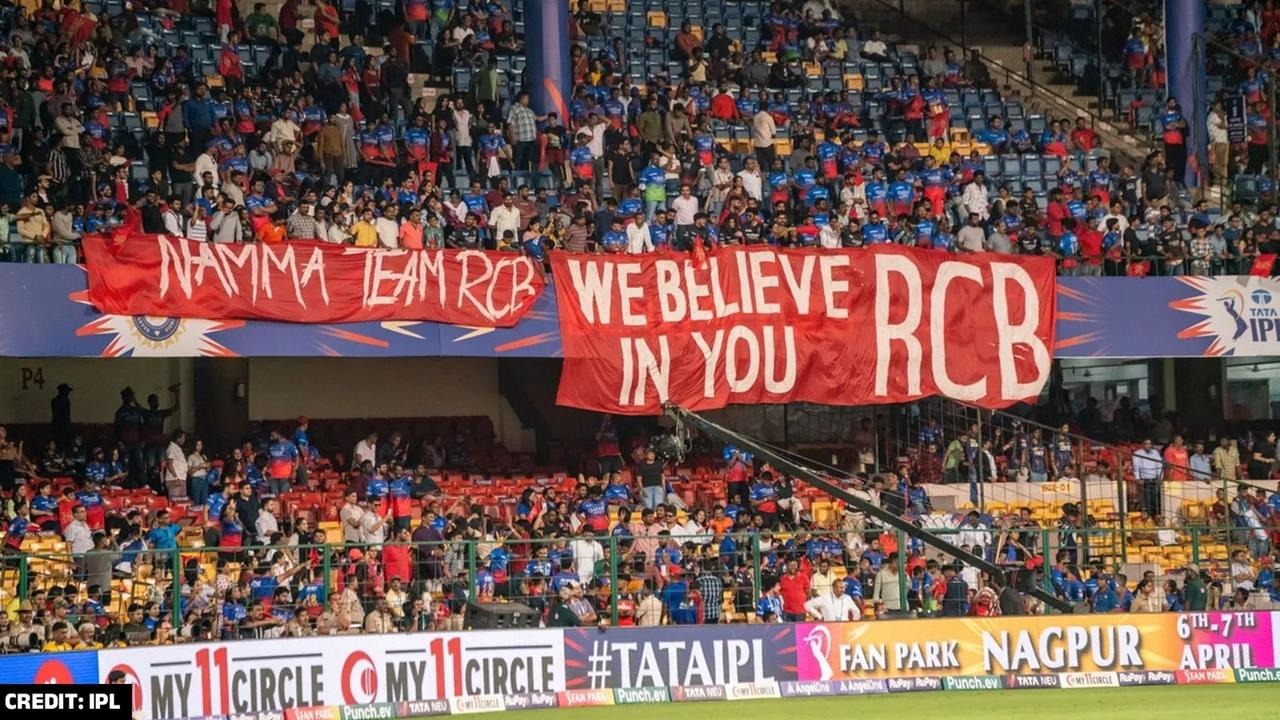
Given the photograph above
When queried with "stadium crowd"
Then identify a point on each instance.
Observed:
(393, 546)
(107, 125)
(272, 134)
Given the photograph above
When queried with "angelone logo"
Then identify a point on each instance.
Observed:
(359, 679)
(860, 686)
(806, 688)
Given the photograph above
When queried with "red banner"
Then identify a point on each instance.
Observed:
(307, 282)
(839, 327)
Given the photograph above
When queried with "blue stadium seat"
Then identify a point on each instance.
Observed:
(1245, 189)
(1052, 165)
(1032, 165)
(1010, 166)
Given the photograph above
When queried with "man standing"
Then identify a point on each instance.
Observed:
(225, 226)
(175, 467)
(60, 408)
(652, 480)
(887, 584)
(523, 126)
(351, 515)
(1148, 470)
(1226, 459)
(794, 587)
(763, 132)
(153, 421)
(955, 602)
(1201, 465)
(711, 588)
(505, 217)
(1176, 460)
(833, 606)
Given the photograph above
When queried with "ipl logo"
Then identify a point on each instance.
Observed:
(818, 640)
(1237, 313)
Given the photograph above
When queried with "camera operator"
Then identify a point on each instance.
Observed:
(24, 634)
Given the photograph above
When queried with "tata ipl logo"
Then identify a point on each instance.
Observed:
(1239, 314)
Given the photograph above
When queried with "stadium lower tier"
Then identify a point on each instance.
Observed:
(424, 674)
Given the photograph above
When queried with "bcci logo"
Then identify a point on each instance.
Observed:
(156, 329)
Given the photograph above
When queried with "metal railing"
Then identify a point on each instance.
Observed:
(1026, 550)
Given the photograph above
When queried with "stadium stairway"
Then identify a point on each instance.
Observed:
(995, 38)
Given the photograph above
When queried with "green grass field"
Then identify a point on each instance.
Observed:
(1201, 702)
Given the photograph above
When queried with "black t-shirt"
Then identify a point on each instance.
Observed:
(466, 237)
(650, 474)
(1261, 469)
(177, 175)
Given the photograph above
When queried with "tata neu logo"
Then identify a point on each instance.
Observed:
(130, 676)
(359, 679)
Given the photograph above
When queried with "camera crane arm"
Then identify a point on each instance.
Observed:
(818, 480)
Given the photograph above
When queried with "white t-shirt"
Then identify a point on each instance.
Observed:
(585, 555)
(830, 607)
(177, 463)
(753, 183)
(685, 208)
(638, 239)
(365, 450)
(763, 130)
(388, 232)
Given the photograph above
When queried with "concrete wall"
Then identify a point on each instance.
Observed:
(394, 387)
(28, 384)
